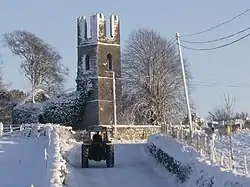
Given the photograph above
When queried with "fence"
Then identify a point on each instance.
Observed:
(16, 129)
(205, 144)
(6, 129)
(24, 130)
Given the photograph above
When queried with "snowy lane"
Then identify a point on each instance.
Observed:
(132, 169)
(22, 162)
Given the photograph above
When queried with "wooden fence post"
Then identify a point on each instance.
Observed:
(11, 129)
(1, 128)
(245, 163)
(222, 159)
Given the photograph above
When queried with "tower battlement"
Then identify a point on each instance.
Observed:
(98, 56)
(97, 28)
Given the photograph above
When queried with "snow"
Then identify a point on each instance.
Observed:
(173, 148)
(97, 21)
(54, 160)
(19, 165)
(55, 164)
(132, 166)
(32, 156)
(81, 28)
(61, 98)
(200, 164)
(114, 24)
(61, 108)
(241, 148)
(29, 97)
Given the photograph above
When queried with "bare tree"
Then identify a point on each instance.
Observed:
(152, 79)
(241, 115)
(41, 63)
(54, 83)
(224, 113)
(3, 85)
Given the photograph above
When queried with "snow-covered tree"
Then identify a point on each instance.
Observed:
(41, 63)
(152, 79)
(26, 111)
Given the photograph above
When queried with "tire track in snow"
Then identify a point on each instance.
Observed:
(132, 168)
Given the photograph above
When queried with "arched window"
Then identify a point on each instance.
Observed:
(110, 63)
(87, 63)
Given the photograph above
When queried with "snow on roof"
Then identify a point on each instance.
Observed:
(29, 97)
(60, 98)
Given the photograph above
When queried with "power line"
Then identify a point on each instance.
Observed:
(202, 84)
(215, 40)
(217, 47)
(172, 41)
(216, 85)
(216, 26)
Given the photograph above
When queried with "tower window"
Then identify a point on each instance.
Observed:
(87, 63)
(110, 62)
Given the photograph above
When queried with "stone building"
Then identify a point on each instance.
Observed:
(99, 56)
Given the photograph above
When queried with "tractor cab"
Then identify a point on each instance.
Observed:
(98, 147)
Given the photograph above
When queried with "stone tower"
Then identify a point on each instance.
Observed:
(98, 57)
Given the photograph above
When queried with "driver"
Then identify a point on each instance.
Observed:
(97, 137)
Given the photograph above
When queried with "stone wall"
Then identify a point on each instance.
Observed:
(125, 132)
(136, 132)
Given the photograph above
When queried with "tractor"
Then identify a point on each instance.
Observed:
(97, 149)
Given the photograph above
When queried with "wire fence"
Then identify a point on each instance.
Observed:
(205, 144)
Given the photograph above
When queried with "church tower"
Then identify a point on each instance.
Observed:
(99, 56)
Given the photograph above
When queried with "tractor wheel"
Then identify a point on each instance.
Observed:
(85, 156)
(110, 156)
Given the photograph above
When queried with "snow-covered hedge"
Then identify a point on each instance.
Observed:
(56, 165)
(26, 113)
(66, 109)
(70, 151)
(175, 167)
(189, 167)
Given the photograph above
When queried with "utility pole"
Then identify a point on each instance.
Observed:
(185, 84)
(33, 86)
(114, 104)
(33, 82)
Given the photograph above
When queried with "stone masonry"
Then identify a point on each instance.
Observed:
(98, 56)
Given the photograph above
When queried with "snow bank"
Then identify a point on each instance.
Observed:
(70, 151)
(189, 167)
(56, 165)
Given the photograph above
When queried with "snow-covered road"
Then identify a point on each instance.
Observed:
(22, 162)
(133, 168)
